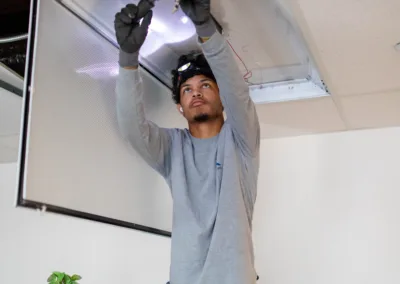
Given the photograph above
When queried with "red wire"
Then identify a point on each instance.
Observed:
(246, 76)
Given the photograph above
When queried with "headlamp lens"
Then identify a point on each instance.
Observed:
(184, 67)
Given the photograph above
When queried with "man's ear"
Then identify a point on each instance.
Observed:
(179, 108)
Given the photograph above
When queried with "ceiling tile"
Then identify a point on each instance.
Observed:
(353, 43)
(299, 118)
(373, 110)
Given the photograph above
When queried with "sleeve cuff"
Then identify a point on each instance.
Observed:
(213, 44)
(128, 59)
(129, 74)
(207, 29)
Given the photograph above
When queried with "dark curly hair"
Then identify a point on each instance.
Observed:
(202, 68)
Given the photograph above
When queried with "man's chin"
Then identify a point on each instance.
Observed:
(203, 117)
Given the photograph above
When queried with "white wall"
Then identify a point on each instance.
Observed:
(328, 209)
(327, 212)
(33, 245)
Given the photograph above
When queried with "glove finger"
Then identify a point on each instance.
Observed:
(123, 19)
(146, 21)
(130, 11)
(119, 24)
(203, 3)
(185, 4)
(117, 19)
(144, 28)
(187, 7)
(144, 7)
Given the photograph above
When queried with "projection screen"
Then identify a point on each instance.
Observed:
(73, 159)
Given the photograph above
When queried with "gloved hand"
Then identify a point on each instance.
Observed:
(129, 33)
(199, 12)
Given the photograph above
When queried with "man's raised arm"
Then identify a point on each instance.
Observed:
(235, 95)
(149, 140)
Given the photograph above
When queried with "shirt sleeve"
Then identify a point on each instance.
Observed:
(149, 140)
(235, 94)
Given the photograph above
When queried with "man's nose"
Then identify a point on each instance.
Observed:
(197, 93)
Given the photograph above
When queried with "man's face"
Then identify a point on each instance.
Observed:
(200, 99)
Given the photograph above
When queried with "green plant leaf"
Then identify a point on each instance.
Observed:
(76, 277)
(60, 279)
(51, 278)
(58, 274)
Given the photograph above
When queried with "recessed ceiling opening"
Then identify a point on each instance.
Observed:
(263, 36)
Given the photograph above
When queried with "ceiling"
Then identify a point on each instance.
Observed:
(272, 57)
(14, 20)
(351, 43)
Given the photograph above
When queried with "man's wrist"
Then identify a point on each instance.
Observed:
(204, 39)
(207, 29)
(131, 67)
(129, 60)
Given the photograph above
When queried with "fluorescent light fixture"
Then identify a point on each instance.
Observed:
(286, 91)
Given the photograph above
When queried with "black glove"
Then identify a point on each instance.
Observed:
(199, 12)
(129, 33)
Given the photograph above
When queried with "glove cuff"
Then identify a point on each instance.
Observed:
(207, 29)
(128, 59)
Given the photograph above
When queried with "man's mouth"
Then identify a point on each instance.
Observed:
(197, 103)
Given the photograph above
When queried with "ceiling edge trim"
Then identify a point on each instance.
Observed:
(8, 87)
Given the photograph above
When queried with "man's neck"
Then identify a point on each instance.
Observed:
(207, 129)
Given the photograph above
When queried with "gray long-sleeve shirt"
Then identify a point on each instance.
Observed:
(213, 181)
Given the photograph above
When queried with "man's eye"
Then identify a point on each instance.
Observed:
(206, 85)
(186, 90)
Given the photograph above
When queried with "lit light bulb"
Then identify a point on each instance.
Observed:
(184, 19)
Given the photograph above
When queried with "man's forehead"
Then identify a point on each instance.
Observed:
(196, 79)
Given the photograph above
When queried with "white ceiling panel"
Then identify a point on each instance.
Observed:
(299, 118)
(373, 110)
(353, 42)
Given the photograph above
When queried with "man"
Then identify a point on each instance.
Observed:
(211, 167)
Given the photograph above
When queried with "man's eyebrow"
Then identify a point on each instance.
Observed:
(201, 81)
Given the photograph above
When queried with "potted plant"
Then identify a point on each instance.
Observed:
(63, 278)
